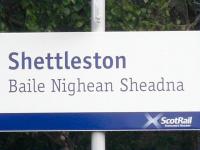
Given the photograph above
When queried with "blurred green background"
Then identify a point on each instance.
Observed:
(121, 15)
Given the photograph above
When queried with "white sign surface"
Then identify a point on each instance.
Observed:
(100, 72)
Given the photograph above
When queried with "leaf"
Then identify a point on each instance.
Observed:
(79, 24)
(66, 11)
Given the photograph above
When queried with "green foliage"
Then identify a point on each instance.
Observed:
(44, 15)
(150, 14)
(74, 15)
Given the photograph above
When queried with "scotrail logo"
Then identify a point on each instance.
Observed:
(162, 121)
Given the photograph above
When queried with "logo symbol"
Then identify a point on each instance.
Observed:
(153, 120)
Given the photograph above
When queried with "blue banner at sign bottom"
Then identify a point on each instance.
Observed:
(133, 121)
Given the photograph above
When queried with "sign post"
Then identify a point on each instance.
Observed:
(98, 16)
(98, 25)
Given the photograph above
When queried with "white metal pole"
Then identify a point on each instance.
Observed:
(98, 25)
(98, 15)
(98, 141)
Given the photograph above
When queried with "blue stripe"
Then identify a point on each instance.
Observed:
(91, 121)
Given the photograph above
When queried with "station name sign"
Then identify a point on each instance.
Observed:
(82, 81)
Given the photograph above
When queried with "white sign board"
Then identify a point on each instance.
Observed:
(99, 72)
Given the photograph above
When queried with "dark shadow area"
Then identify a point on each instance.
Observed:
(152, 140)
(45, 141)
(182, 140)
